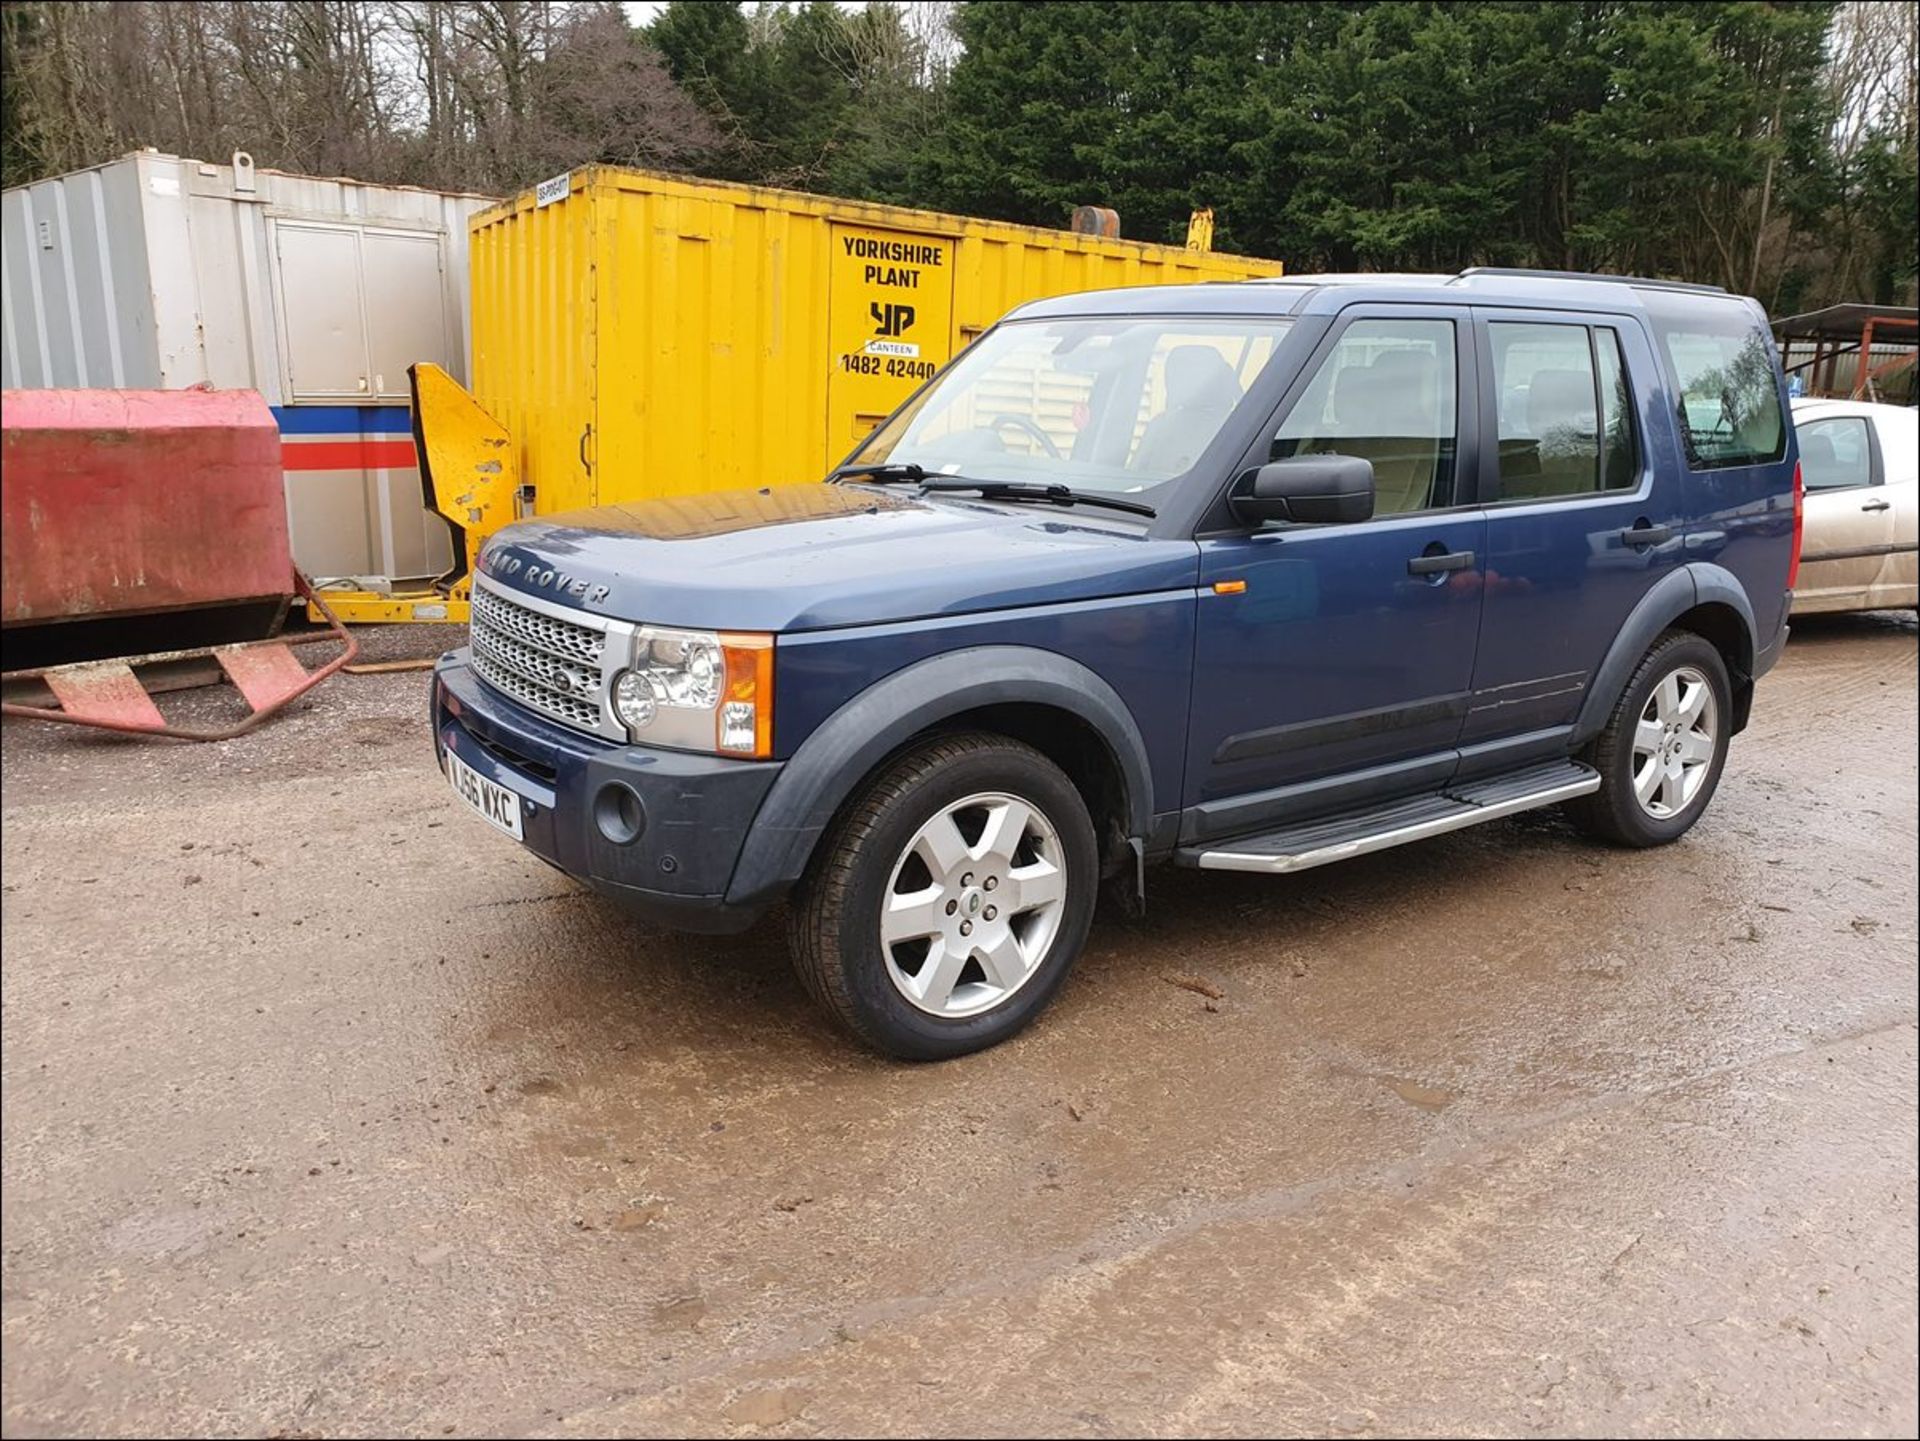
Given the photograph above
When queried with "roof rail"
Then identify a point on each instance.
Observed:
(1640, 282)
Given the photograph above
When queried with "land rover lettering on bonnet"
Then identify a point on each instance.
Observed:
(538, 577)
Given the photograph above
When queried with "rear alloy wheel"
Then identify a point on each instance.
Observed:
(949, 901)
(1674, 743)
(1662, 749)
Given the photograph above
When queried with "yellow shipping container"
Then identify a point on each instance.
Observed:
(639, 335)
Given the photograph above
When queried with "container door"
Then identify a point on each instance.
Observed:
(322, 304)
(406, 307)
(406, 325)
(890, 298)
(359, 306)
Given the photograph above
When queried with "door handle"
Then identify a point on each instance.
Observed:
(1877, 505)
(1434, 564)
(1640, 533)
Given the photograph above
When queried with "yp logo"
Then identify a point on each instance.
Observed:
(891, 318)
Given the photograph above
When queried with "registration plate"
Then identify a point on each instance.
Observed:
(495, 804)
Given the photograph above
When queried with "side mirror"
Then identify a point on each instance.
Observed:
(1306, 489)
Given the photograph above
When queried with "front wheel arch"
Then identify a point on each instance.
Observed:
(859, 738)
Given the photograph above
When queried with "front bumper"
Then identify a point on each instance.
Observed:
(695, 810)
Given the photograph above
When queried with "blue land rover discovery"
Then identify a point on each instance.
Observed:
(1252, 577)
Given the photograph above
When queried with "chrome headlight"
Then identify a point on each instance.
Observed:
(699, 690)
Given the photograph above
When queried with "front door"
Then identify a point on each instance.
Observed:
(1332, 663)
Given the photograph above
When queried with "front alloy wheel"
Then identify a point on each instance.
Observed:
(974, 905)
(949, 900)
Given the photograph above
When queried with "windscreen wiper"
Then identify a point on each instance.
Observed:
(1024, 490)
(879, 473)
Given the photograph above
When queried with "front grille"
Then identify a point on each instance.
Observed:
(546, 663)
(562, 638)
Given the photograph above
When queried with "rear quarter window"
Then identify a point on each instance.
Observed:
(1728, 407)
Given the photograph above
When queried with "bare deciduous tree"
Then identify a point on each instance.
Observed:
(456, 94)
(1874, 74)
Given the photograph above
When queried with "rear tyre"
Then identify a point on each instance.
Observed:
(1663, 747)
(948, 902)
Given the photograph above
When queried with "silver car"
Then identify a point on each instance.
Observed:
(1862, 541)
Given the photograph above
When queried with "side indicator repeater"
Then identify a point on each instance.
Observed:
(1229, 587)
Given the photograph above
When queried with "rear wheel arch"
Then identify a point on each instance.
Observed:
(1703, 598)
(1718, 623)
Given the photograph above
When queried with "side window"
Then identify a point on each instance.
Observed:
(1835, 454)
(1619, 452)
(1729, 405)
(1565, 417)
(1386, 394)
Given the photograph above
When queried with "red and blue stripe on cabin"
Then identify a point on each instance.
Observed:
(345, 437)
(353, 486)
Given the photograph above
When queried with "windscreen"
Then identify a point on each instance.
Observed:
(1118, 404)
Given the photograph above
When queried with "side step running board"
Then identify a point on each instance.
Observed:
(1307, 844)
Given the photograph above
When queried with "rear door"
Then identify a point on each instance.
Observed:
(1579, 524)
(1849, 518)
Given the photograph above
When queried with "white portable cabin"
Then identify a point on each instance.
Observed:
(157, 272)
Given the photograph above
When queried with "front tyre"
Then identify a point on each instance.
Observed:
(1663, 747)
(948, 902)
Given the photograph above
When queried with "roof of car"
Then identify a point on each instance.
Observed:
(1323, 294)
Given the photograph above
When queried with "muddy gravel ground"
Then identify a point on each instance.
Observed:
(329, 1112)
